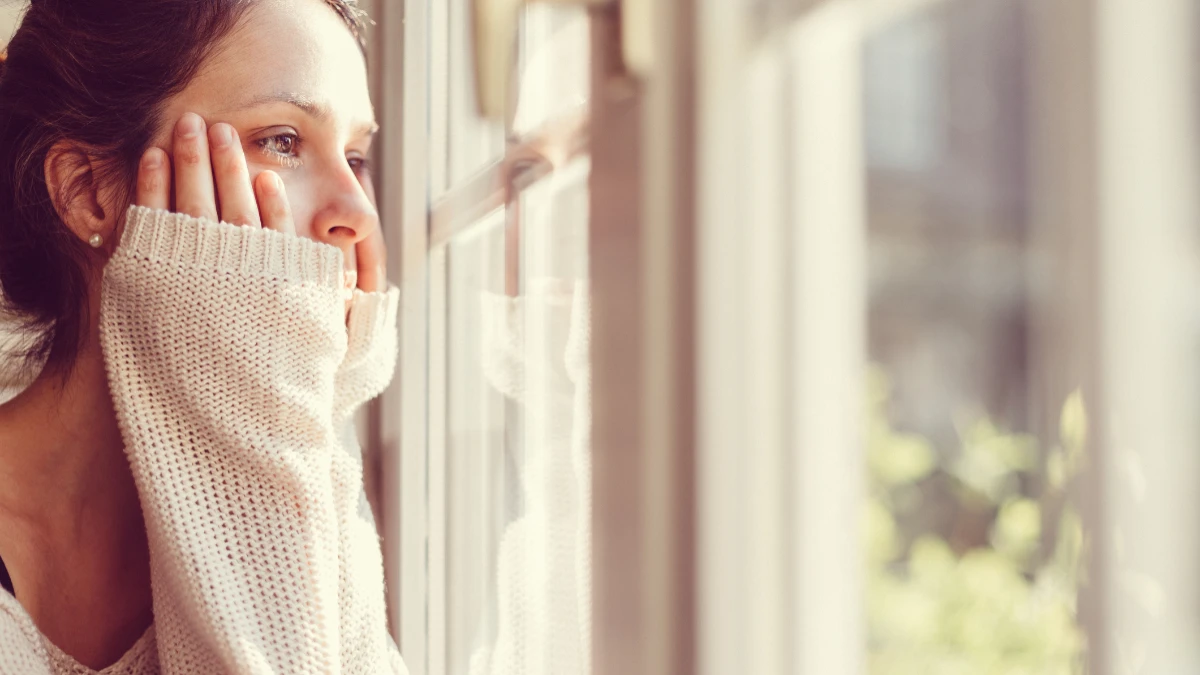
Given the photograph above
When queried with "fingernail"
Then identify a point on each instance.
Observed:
(222, 135)
(190, 125)
(152, 159)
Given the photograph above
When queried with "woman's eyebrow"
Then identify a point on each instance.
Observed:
(318, 111)
(312, 108)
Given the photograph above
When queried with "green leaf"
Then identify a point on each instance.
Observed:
(1018, 527)
(882, 542)
(1073, 424)
(902, 459)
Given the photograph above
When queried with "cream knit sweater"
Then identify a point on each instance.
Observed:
(235, 376)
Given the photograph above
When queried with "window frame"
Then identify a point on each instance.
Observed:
(409, 419)
(399, 417)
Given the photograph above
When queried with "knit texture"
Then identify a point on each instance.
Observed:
(535, 350)
(236, 375)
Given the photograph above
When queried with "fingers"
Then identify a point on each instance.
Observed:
(154, 180)
(237, 203)
(372, 262)
(273, 207)
(208, 163)
(371, 252)
(195, 194)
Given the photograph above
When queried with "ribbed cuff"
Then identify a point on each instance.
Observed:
(371, 357)
(162, 236)
(371, 315)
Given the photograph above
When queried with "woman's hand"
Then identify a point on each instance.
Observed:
(211, 180)
(372, 254)
(210, 169)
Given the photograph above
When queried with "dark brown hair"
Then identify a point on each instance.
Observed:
(96, 73)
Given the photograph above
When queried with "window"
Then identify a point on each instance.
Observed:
(499, 326)
(10, 16)
(853, 336)
(959, 253)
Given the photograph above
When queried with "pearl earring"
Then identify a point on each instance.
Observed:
(96, 241)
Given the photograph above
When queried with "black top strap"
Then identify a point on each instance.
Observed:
(5, 580)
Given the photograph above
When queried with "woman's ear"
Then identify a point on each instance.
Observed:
(71, 181)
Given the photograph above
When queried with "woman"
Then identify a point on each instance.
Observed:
(180, 488)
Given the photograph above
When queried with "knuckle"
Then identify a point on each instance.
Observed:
(279, 210)
(242, 218)
(198, 210)
(150, 182)
(229, 161)
(279, 218)
(189, 153)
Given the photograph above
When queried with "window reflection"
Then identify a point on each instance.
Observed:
(520, 568)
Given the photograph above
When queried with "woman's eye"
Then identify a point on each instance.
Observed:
(280, 146)
(359, 165)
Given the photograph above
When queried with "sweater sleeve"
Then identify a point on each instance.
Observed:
(363, 375)
(21, 649)
(223, 346)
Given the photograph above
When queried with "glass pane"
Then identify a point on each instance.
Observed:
(975, 420)
(10, 14)
(555, 79)
(480, 464)
(1004, 191)
(551, 60)
(519, 468)
(474, 143)
(518, 472)
(548, 576)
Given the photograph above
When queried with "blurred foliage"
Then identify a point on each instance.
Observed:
(1002, 606)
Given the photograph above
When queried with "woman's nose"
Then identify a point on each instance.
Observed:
(348, 218)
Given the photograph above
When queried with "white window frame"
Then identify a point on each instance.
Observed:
(1115, 100)
(781, 447)
(401, 76)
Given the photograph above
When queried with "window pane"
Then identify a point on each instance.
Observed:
(10, 14)
(551, 61)
(480, 464)
(548, 572)
(474, 143)
(975, 420)
(518, 471)
(555, 66)
(519, 586)
(517, 581)
(1005, 191)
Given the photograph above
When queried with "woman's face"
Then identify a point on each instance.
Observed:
(292, 81)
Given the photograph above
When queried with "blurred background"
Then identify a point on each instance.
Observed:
(791, 336)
